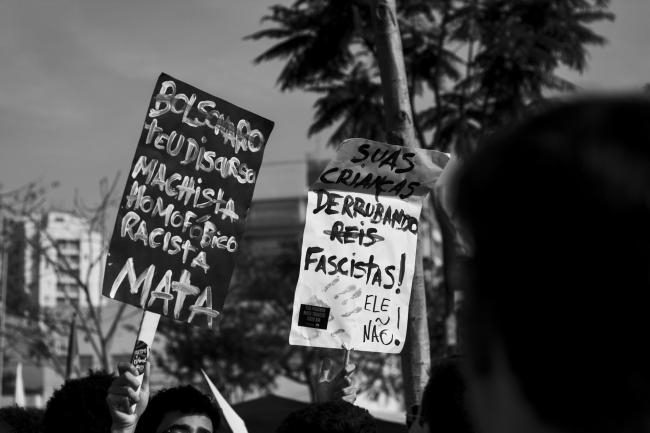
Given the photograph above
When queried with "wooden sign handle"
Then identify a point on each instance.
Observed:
(346, 356)
(143, 343)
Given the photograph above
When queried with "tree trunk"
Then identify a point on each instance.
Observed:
(106, 360)
(399, 130)
(3, 294)
(311, 383)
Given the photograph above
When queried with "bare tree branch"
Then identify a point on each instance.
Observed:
(26, 203)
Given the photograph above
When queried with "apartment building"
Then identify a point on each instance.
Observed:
(52, 260)
(52, 255)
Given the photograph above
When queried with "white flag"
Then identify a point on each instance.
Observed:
(234, 421)
(19, 392)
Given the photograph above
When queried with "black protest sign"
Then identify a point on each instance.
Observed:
(181, 218)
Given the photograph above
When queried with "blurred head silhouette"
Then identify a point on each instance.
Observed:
(557, 213)
(337, 416)
(79, 406)
(182, 408)
(444, 406)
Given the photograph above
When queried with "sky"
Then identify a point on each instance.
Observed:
(76, 77)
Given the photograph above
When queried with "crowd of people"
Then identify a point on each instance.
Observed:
(554, 217)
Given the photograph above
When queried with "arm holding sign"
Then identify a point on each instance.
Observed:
(338, 387)
(124, 392)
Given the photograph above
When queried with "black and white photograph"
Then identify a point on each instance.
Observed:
(324, 216)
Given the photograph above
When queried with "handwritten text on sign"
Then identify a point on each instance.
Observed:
(358, 252)
(182, 214)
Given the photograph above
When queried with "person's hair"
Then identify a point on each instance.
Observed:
(79, 406)
(21, 419)
(558, 213)
(186, 400)
(331, 417)
(444, 403)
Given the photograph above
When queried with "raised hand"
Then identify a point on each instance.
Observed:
(338, 387)
(124, 393)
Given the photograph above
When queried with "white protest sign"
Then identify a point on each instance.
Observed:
(359, 245)
(234, 421)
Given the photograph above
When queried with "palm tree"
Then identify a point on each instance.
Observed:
(316, 39)
(521, 45)
(474, 64)
(328, 46)
(429, 61)
(354, 103)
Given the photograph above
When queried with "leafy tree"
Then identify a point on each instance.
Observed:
(353, 102)
(472, 65)
(250, 349)
(521, 45)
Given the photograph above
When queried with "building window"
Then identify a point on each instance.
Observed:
(62, 360)
(61, 347)
(66, 277)
(61, 301)
(68, 245)
(72, 260)
(121, 358)
(86, 362)
(70, 288)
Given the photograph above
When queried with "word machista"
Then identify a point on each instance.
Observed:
(184, 189)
